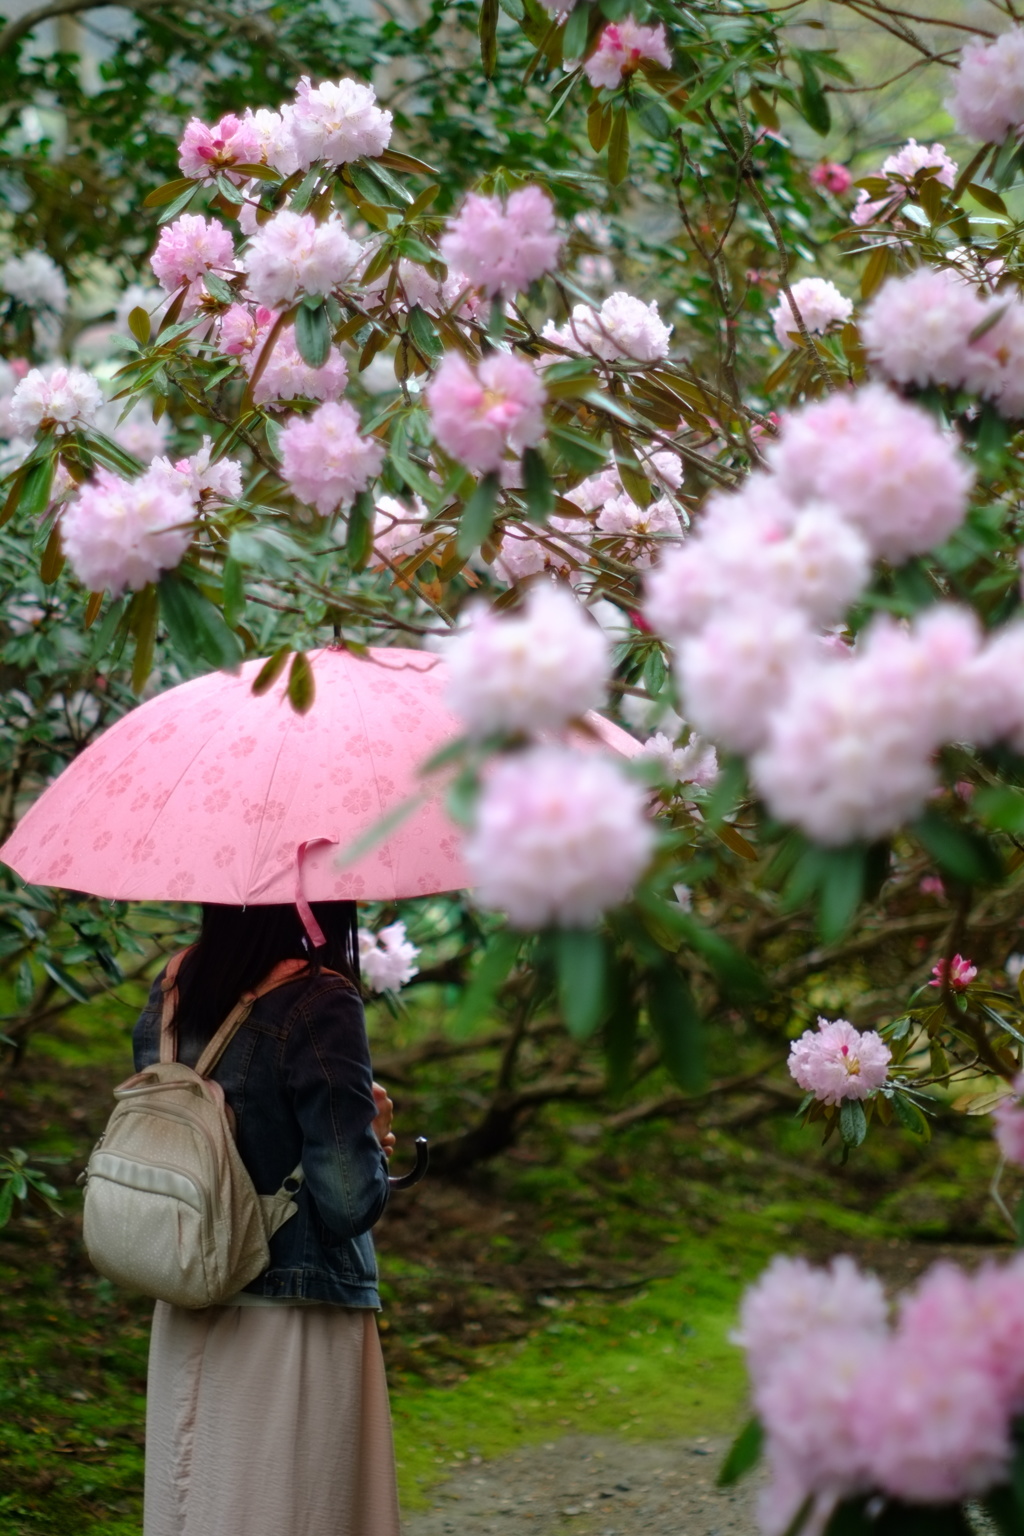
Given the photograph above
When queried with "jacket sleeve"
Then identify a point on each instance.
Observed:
(328, 1073)
(146, 1033)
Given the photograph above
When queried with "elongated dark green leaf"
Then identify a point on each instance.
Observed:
(6, 1201)
(677, 1025)
(813, 101)
(959, 851)
(234, 592)
(359, 538)
(313, 335)
(179, 204)
(478, 998)
(574, 38)
(301, 685)
(618, 146)
(582, 969)
(853, 1125)
(1001, 807)
(142, 619)
(842, 875)
(195, 627)
(655, 119)
(219, 288)
(140, 325)
(910, 1117)
(35, 490)
(743, 1454)
(271, 670)
(478, 516)
(538, 490)
(489, 36)
(423, 332)
(52, 563)
(168, 192)
(64, 979)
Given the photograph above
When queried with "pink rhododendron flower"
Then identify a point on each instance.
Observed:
(478, 415)
(938, 1432)
(527, 554)
(793, 1298)
(644, 531)
(820, 303)
(292, 254)
(623, 328)
(738, 669)
(931, 885)
(988, 88)
(620, 49)
(560, 836)
(337, 123)
(325, 461)
(386, 958)
(240, 327)
(121, 534)
(201, 480)
(918, 330)
(832, 177)
(900, 169)
(286, 376)
(503, 250)
(398, 532)
(886, 466)
(694, 763)
(204, 151)
(186, 249)
(274, 132)
(1009, 1119)
(60, 399)
(528, 671)
(418, 286)
(849, 751)
(961, 973)
(36, 280)
(837, 1062)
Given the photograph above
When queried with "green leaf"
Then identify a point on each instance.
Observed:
(423, 332)
(477, 518)
(742, 1455)
(179, 204)
(677, 1025)
(655, 119)
(313, 335)
(910, 1117)
(853, 1125)
(579, 452)
(618, 143)
(219, 288)
(574, 38)
(24, 985)
(813, 101)
(6, 1201)
(538, 490)
(621, 1030)
(143, 616)
(301, 685)
(271, 670)
(234, 592)
(359, 538)
(140, 325)
(960, 852)
(1000, 807)
(580, 954)
(478, 998)
(488, 28)
(168, 192)
(195, 627)
(842, 874)
(36, 487)
(738, 976)
(64, 979)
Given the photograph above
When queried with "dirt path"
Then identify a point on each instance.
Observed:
(587, 1485)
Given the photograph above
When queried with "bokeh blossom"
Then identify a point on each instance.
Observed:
(324, 459)
(387, 958)
(530, 671)
(1009, 1119)
(832, 177)
(621, 48)
(120, 534)
(987, 101)
(478, 415)
(622, 328)
(821, 306)
(837, 1062)
(36, 280)
(559, 837)
(503, 249)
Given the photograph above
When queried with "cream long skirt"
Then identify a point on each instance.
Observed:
(268, 1421)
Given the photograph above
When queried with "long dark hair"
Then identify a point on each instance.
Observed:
(239, 946)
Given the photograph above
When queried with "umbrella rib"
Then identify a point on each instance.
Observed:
(376, 787)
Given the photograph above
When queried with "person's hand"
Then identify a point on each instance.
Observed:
(382, 1121)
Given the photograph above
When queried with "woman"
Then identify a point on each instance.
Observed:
(268, 1416)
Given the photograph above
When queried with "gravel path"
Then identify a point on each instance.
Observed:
(587, 1485)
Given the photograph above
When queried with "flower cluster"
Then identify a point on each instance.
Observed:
(337, 122)
(205, 152)
(479, 414)
(284, 375)
(503, 250)
(837, 1062)
(35, 280)
(988, 89)
(325, 461)
(695, 763)
(1009, 1119)
(819, 1344)
(621, 48)
(530, 672)
(961, 974)
(59, 399)
(559, 836)
(899, 170)
(121, 534)
(387, 958)
(622, 329)
(186, 250)
(293, 255)
(398, 532)
(820, 305)
(832, 177)
(933, 327)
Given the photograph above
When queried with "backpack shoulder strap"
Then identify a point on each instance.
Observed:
(283, 972)
(169, 984)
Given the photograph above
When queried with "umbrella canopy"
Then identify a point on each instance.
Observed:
(210, 793)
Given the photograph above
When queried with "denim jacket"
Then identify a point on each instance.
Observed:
(297, 1075)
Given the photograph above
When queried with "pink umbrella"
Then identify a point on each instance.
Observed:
(211, 793)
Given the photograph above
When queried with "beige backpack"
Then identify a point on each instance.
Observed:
(170, 1209)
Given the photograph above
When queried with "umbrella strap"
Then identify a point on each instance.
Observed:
(314, 931)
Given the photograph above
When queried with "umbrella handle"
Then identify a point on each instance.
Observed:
(422, 1163)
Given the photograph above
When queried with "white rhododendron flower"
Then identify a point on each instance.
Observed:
(387, 958)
